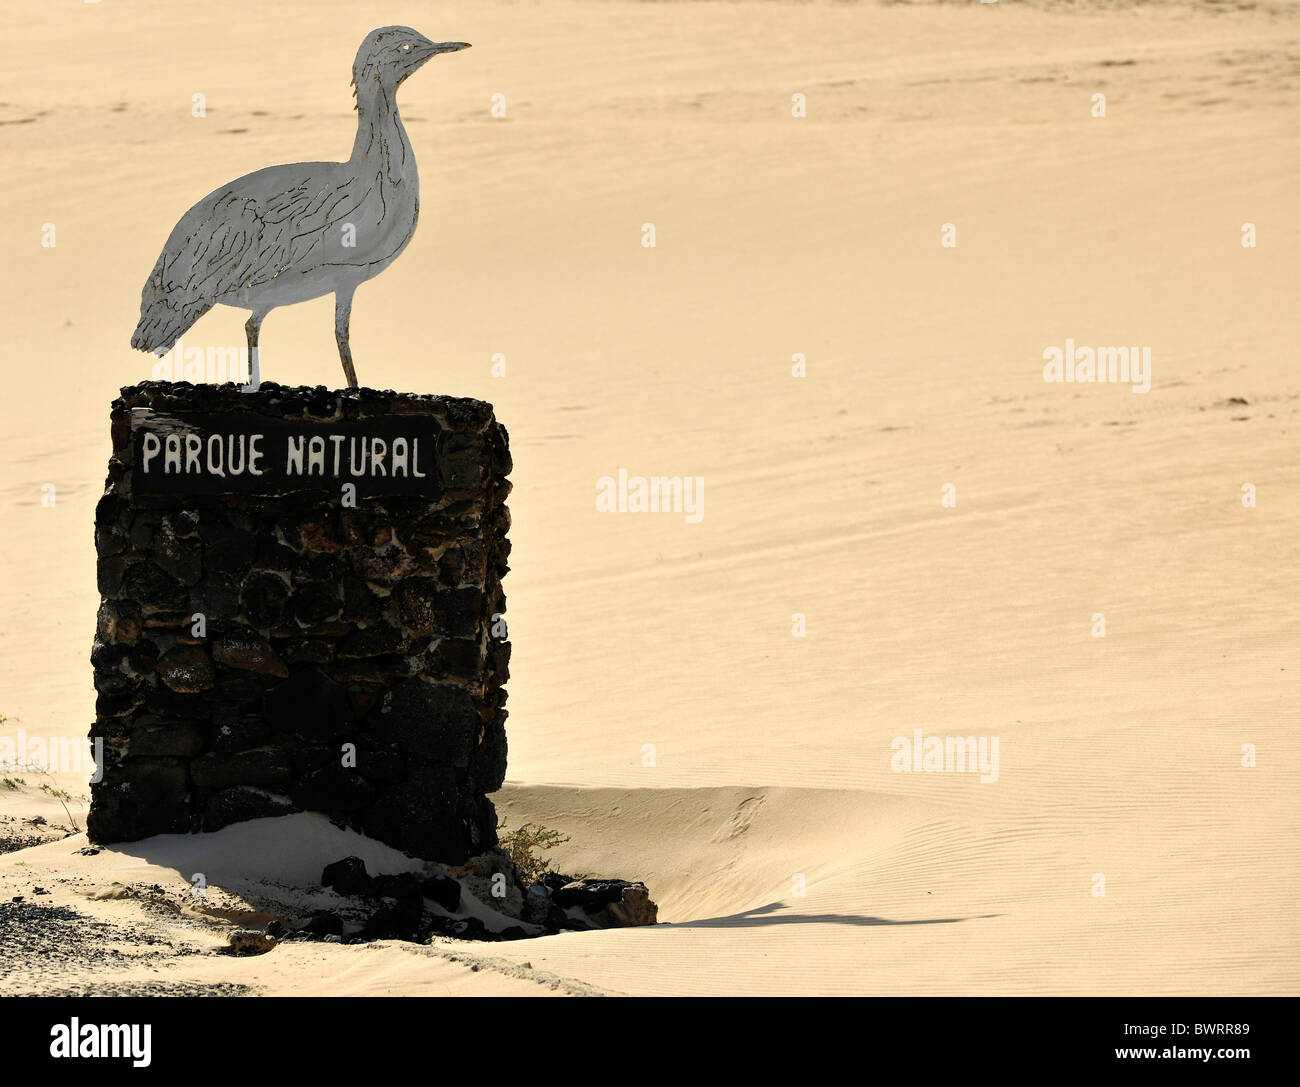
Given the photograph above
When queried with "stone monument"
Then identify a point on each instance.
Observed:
(302, 611)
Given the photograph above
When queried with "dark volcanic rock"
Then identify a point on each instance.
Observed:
(416, 599)
(244, 649)
(400, 921)
(348, 877)
(324, 924)
(245, 635)
(265, 596)
(333, 788)
(180, 739)
(228, 549)
(145, 797)
(443, 890)
(421, 816)
(434, 720)
(490, 755)
(404, 887)
(240, 803)
(180, 558)
(145, 581)
(462, 611)
(468, 928)
(187, 670)
(309, 704)
(259, 767)
(608, 903)
(590, 894)
(375, 641)
(314, 602)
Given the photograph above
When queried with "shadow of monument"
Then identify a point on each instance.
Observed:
(763, 915)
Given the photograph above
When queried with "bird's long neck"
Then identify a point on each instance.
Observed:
(381, 143)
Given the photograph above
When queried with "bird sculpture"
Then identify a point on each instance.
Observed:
(290, 233)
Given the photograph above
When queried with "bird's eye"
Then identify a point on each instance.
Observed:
(406, 46)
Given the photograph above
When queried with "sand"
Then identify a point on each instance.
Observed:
(1119, 757)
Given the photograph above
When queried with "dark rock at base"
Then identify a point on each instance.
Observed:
(468, 928)
(435, 720)
(324, 924)
(397, 922)
(421, 816)
(307, 759)
(609, 903)
(482, 825)
(590, 894)
(443, 890)
(241, 803)
(251, 943)
(490, 754)
(144, 798)
(235, 731)
(558, 920)
(378, 763)
(241, 768)
(309, 704)
(333, 788)
(404, 887)
(348, 877)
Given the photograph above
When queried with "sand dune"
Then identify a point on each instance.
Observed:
(776, 236)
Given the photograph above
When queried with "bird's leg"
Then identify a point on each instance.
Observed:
(253, 327)
(342, 315)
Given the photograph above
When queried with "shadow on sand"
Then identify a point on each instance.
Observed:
(766, 915)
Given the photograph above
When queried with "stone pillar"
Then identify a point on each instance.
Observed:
(302, 610)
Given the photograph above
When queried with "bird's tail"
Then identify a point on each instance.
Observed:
(162, 325)
(165, 315)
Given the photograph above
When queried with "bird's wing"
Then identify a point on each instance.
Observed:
(240, 240)
(243, 236)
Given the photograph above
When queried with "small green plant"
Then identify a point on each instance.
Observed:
(12, 783)
(62, 796)
(525, 844)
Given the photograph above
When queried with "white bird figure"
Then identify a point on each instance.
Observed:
(290, 233)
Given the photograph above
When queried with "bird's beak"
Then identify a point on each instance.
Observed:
(426, 51)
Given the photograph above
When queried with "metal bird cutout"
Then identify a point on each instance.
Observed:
(291, 233)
